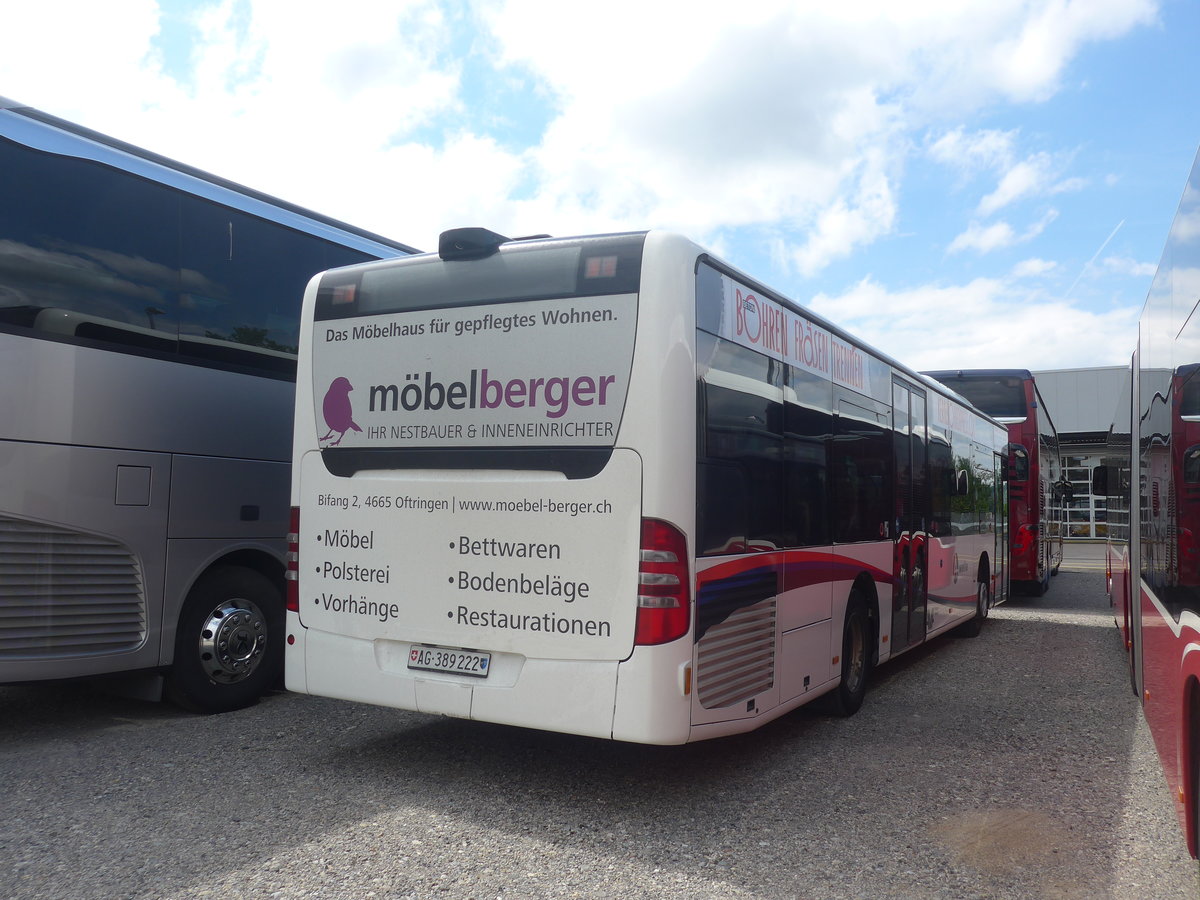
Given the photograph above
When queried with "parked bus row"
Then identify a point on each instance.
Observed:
(608, 485)
(1035, 473)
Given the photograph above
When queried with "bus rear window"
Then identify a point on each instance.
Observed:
(1002, 397)
(1189, 401)
(521, 270)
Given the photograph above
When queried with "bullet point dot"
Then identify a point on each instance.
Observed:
(449, 615)
(450, 579)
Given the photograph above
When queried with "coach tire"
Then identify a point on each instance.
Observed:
(228, 641)
(846, 699)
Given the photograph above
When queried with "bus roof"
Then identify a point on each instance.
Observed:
(156, 163)
(979, 373)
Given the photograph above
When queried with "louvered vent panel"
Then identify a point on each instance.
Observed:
(736, 658)
(65, 593)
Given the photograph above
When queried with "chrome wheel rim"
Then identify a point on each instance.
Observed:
(232, 641)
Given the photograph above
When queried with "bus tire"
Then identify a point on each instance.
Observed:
(983, 603)
(228, 641)
(846, 699)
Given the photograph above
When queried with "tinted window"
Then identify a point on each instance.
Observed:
(1189, 401)
(241, 284)
(744, 460)
(1000, 396)
(806, 425)
(860, 459)
(520, 270)
(947, 485)
(763, 452)
(86, 250)
(99, 256)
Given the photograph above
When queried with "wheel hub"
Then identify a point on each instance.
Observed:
(232, 641)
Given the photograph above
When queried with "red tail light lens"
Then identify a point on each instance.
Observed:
(292, 575)
(1026, 538)
(664, 594)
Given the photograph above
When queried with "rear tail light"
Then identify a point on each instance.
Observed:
(1026, 538)
(664, 596)
(292, 575)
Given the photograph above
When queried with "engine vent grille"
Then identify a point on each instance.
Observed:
(735, 660)
(64, 593)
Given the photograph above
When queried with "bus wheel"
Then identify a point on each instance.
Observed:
(847, 697)
(228, 642)
(983, 601)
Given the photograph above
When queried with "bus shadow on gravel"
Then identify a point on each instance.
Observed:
(75, 707)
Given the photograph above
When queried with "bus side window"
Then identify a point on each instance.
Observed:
(722, 508)
(1191, 465)
(110, 273)
(745, 430)
(860, 460)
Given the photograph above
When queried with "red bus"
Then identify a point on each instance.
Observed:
(1035, 514)
(1152, 477)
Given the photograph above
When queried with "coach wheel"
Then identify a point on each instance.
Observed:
(228, 642)
(847, 697)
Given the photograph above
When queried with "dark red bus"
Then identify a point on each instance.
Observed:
(1035, 526)
(1151, 477)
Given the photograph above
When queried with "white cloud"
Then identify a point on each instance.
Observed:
(986, 238)
(986, 323)
(1123, 265)
(797, 117)
(1026, 66)
(1033, 268)
(986, 149)
(1021, 180)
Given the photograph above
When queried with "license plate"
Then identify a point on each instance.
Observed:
(441, 659)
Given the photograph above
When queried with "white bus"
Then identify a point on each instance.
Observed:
(614, 487)
(149, 316)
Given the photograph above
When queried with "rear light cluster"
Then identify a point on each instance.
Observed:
(292, 575)
(664, 597)
(1026, 539)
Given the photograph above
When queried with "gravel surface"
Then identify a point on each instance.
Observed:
(1012, 765)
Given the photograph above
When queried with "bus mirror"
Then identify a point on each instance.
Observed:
(1100, 481)
(963, 486)
(469, 243)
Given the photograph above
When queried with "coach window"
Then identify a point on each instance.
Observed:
(807, 425)
(86, 251)
(243, 278)
(740, 492)
(950, 505)
(860, 460)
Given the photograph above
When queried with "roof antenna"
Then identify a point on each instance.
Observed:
(469, 243)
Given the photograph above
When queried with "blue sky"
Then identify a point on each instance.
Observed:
(960, 183)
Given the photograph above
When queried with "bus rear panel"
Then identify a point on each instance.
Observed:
(477, 526)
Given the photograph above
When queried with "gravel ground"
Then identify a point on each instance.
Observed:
(1013, 765)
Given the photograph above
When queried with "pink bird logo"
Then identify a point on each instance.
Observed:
(339, 413)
